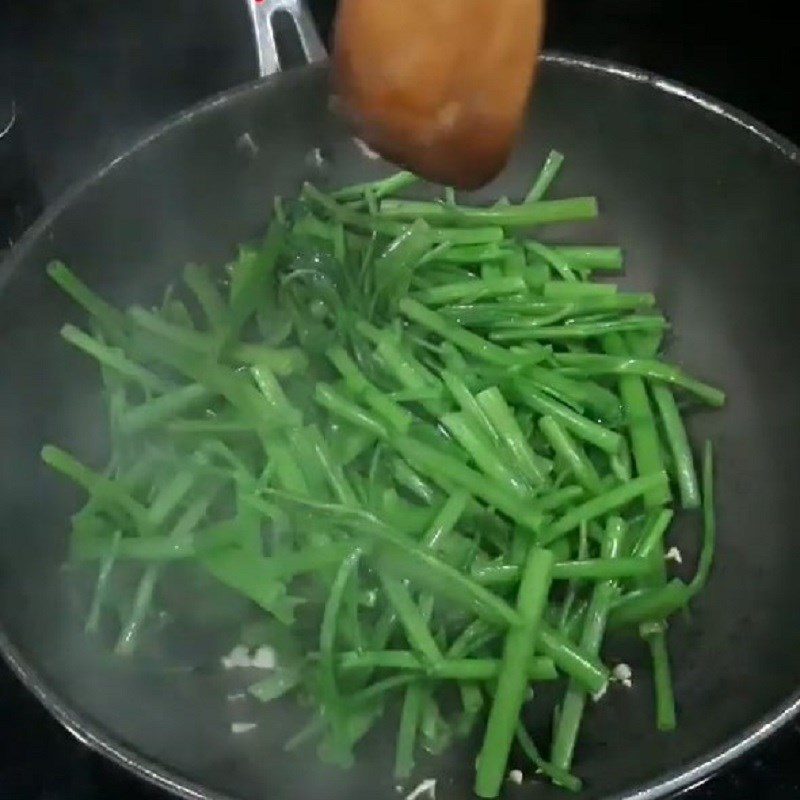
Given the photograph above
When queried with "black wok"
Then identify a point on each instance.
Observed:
(706, 202)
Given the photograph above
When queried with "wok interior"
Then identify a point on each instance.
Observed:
(707, 213)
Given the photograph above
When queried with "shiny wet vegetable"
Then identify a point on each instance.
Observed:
(431, 451)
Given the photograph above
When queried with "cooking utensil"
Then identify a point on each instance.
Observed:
(705, 201)
(438, 87)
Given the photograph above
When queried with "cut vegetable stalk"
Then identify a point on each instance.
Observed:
(569, 720)
(512, 680)
(402, 412)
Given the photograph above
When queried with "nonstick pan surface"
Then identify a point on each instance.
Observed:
(706, 203)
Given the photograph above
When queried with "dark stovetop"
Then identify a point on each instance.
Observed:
(83, 73)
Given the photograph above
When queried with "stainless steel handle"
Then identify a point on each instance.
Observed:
(262, 13)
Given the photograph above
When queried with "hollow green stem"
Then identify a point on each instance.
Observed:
(571, 454)
(546, 176)
(512, 680)
(523, 216)
(605, 503)
(569, 720)
(678, 441)
(466, 340)
(581, 427)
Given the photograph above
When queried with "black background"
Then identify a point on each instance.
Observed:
(83, 78)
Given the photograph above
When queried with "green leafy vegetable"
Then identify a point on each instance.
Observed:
(368, 434)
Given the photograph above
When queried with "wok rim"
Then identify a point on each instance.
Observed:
(104, 741)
